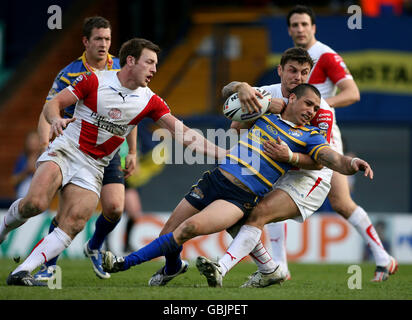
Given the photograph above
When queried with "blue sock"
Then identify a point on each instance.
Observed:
(103, 227)
(162, 246)
(53, 261)
(173, 262)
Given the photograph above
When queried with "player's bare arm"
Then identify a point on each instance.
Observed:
(248, 96)
(131, 158)
(189, 137)
(43, 130)
(348, 94)
(343, 164)
(52, 108)
(279, 151)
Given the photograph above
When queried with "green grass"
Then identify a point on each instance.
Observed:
(309, 282)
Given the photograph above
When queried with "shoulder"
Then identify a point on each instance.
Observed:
(274, 90)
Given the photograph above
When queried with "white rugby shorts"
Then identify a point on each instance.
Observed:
(76, 167)
(307, 188)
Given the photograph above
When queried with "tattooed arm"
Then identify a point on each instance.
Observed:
(343, 164)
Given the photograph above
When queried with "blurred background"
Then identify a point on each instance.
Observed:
(205, 45)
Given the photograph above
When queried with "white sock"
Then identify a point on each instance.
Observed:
(241, 246)
(277, 236)
(259, 254)
(11, 220)
(47, 248)
(360, 220)
(262, 259)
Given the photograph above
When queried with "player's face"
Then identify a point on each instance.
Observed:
(301, 111)
(145, 67)
(98, 45)
(293, 73)
(301, 30)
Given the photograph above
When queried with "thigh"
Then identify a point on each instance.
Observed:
(77, 206)
(182, 212)
(216, 217)
(277, 205)
(46, 181)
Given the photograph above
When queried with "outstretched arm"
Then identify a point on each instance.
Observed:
(52, 108)
(343, 164)
(189, 137)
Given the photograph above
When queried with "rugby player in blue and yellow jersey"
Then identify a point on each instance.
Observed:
(227, 194)
(96, 58)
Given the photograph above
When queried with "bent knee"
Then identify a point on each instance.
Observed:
(34, 206)
(188, 230)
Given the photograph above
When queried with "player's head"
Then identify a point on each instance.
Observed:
(97, 36)
(294, 68)
(139, 58)
(302, 26)
(304, 102)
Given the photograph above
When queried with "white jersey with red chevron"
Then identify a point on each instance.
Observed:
(328, 71)
(106, 112)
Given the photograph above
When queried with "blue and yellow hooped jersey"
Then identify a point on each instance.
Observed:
(69, 74)
(247, 161)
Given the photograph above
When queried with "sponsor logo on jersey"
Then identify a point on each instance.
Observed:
(323, 125)
(115, 113)
(295, 133)
(105, 123)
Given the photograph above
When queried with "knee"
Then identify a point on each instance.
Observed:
(113, 210)
(33, 206)
(187, 230)
(74, 224)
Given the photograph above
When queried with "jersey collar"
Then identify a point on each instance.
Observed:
(109, 62)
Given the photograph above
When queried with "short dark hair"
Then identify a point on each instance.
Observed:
(301, 89)
(134, 48)
(300, 9)
(94, 22)
(296, 54)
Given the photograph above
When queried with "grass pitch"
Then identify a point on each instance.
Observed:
(309, 282)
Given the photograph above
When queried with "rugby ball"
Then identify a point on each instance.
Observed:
(232, 108)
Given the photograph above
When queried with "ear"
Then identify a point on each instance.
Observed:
(279, 69)
(85, 41)
(292, 98)
(130, 60)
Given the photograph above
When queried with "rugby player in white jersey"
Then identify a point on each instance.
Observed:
(329, 74)
(109, 105)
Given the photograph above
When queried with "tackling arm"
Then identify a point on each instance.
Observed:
(189, 137)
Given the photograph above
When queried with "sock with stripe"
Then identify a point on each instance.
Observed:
(162, 246)
(47, 248)
(277, 236)
(245, 241)
(360, 220)
(11, 220)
